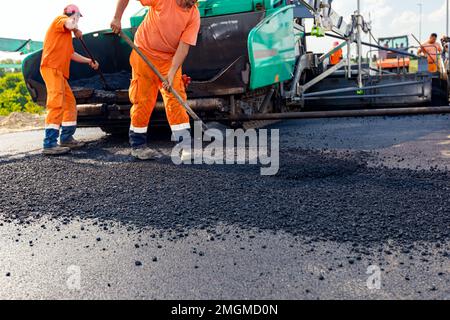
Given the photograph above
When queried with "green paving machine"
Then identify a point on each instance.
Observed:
(17, 46)
(251, 63)
(20, 46)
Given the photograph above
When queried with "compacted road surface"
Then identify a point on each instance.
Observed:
(359, 209)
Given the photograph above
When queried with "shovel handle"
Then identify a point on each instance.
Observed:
(162, 79)
(85, 47)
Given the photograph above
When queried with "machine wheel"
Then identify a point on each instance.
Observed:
(439, 95)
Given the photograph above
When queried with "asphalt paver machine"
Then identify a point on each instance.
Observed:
(252, 63)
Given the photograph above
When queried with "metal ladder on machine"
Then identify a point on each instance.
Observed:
(332, 21)
(328, 19)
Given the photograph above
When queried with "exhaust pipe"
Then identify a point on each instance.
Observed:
(342, 114)
(199, 105)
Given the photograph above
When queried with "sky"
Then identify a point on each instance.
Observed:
(392, 18)
(29, 19)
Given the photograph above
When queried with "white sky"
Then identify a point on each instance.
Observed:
(393, 18)
(29, 19)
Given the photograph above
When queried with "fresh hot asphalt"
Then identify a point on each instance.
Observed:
(351, 193)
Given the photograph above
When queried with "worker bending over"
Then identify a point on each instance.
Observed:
(165, 37)
(432, 49)
(55, 65)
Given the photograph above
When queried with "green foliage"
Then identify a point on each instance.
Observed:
(14, 96)
(10, 61)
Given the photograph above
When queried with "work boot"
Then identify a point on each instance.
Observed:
(184, 142)
(73, 144)
(145, 154)
(55, 151)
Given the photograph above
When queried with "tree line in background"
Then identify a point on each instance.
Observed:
(14, 96)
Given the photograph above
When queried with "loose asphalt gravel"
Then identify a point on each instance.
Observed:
(350, 194)
(115, 81)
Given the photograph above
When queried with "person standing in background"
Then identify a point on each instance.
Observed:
(431, 49)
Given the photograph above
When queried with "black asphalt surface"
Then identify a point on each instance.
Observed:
(115, 81)
(350, 194)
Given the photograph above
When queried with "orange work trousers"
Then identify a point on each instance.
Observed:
(336, 57)
(61, 103)
(432, 67)
(144, 89)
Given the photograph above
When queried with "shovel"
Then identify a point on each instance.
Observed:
(185, 105)
(102, 76)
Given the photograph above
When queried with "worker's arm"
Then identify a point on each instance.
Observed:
(177, 62)
(188, 39)
(80, 59)
(116, 23)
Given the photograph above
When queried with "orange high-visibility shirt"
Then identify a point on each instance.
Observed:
(165, 25)
(336, 57)
(432, 50)
(58, 47)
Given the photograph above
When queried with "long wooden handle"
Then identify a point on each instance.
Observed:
(102, 76)
(160, 76)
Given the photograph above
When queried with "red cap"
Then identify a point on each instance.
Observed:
(71, 9)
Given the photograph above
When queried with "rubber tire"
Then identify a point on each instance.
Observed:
(439, 95)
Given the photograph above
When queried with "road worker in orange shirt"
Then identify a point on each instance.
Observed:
(55, 65)
(432, 50)
(165, 36)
